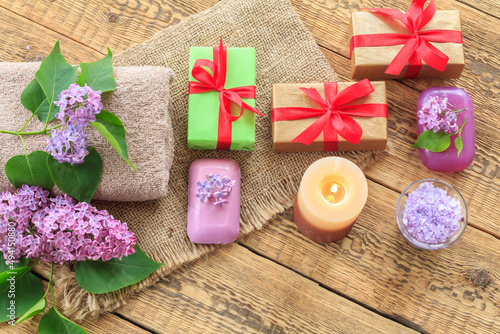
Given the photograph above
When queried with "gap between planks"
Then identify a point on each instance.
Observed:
(43, 275)
(102, 324)
(54, 31)
(403, 86)
(478, 9)
(135, 323)
(253, 251)
(404, 322)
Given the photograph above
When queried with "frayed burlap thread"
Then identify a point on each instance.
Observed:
(286, 53)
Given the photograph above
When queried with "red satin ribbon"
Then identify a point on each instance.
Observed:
(208, 82)
(416, 46)
(333, 114)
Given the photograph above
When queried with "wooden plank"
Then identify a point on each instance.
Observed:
(93, 24)
(18, 33)
(479, 184)
(236, 291)
(491, 8)
(328, 21)
(97, 24)
(485, 164)
(454, 290)
(386, 267)
(107, 323)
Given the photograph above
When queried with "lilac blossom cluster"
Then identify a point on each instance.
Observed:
(216, 188)
(59, 229)
(430, 215)
(438, 115)
(77, 107)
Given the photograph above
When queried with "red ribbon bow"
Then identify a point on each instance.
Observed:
(209, 82)
(416, 44)
(334, 114)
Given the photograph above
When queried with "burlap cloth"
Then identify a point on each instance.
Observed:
(140, 101)
(286, 53)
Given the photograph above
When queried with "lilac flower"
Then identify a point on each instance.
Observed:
(216, 188)
(59, 229)
(77, 107)
(69, 145)
(221, 202)
(205, 190)
(205, 186)
(430, 215)
(438, 115)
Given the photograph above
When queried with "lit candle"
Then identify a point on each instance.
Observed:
(332, 193)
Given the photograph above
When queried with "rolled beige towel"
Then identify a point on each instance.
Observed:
(141, 101)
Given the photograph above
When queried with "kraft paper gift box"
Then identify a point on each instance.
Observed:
(204, 123)
(370, 60)
(290, 96)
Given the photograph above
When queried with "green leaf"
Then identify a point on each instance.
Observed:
(98, 74)
(110, 126)
(80, 181)
(34, 310)
(433, 141)
(15, 302)
(458, 144)
(33, 98)
(55, 75)
(11, 275)
(29, 169)
(55, 322)
(458, 141)
(106, 276)
(5, 267)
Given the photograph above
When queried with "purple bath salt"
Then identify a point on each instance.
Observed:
(430, 215)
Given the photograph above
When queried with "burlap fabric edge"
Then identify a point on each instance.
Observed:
(286, 52)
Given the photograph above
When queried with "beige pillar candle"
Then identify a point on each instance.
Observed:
(332, 193)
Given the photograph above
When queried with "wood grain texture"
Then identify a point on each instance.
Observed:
(236, 291)
(115, 23)
(328, 21)
(23, 33)
(479, 183)
(491, 8)
(108, 323)
(429, 291)
(274, 288)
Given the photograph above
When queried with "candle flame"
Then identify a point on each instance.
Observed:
(333, 192)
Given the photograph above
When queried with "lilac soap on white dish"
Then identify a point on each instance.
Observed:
(213, 215)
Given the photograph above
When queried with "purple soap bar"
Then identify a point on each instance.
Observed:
(448, 161)
(213, 215)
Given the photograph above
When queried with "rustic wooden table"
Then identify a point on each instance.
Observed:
(275, 280)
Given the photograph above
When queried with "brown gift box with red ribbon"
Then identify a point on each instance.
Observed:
(421, 43)
(329, 116)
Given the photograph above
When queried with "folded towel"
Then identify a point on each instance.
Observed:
(141, 101)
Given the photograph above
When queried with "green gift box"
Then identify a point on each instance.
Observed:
(203, 107)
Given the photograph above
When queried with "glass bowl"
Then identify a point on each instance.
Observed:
(432, 219)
